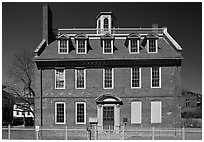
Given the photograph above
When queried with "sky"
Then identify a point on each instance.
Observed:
(22, 28)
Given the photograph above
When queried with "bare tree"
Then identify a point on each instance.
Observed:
(21, 74)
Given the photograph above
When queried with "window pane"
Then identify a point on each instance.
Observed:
(105, 24)
(81, 46)
(136, 112)
(60, 78)
(152, 45)
(135, 77)
(108, 78)
(60, 113)
(134, 46)
(156, 112)
(107, 46)
(80, 113)
(63, 46)
(80, 80)
(155, 77)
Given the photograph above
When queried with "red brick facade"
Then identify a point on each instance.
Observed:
(168, 58)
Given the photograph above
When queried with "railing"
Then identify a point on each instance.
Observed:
(123, 133)
(112, 31)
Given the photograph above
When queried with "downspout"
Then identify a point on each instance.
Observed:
(41, 92)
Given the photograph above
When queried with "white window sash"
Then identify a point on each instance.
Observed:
(156, 44)
(112, 72)
(59, 47)
(136, 112)
(159, 78)
(56, 113)
(84, 103)
(156, 112)
(77, 47)
(130, 45)
(76, 79)
(63, 80)
(139, 79)
(104, 47)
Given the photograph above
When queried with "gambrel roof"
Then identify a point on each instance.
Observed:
(166, 49)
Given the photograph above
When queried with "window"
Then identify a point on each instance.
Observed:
(133, 46)
(136, 112)
(152, 47)
(105, 24)
(187, 102)
(80, 79)
(135, 77)
(59, 79)
(108, 78)
(108, 46)
(156, 112)
(156, 77)
(80, 113)
(60, 113)
(81, 46)
(63, 46)
(17, 112)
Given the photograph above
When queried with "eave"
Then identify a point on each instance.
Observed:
(103, 63)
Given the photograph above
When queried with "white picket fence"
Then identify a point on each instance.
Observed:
(124, 133)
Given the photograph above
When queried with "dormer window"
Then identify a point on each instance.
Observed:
(63, 46)
(107, 43)
(81, 44)
(152, 45)
(133, 46)
(133, 43)
(107, 46)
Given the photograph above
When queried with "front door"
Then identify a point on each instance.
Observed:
(108, 117)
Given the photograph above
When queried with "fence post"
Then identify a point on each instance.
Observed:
(123, 132)
(66, 137)
(37, 128)
(95, 132)
(9, 131)
(183, 133)
(152, 133)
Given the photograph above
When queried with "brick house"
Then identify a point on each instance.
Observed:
(121, 76)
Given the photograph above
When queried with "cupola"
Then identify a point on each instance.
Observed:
(104, 22)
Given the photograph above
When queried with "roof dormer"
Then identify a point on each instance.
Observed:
(104, 22)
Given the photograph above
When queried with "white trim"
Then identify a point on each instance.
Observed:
(63, 79)
(112, 69)
(111, 46)
(123, 28)
(84, 47)
(178, 47)
(156, 44)
(56, 113)
(84, 112)
(59, 47)
(159, 78)
(139, 80)
(84, 79)
(129, 46)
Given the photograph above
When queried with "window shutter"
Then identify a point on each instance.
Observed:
(136, 112)
(156, 112)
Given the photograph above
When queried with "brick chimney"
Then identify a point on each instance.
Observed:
(47, 24)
